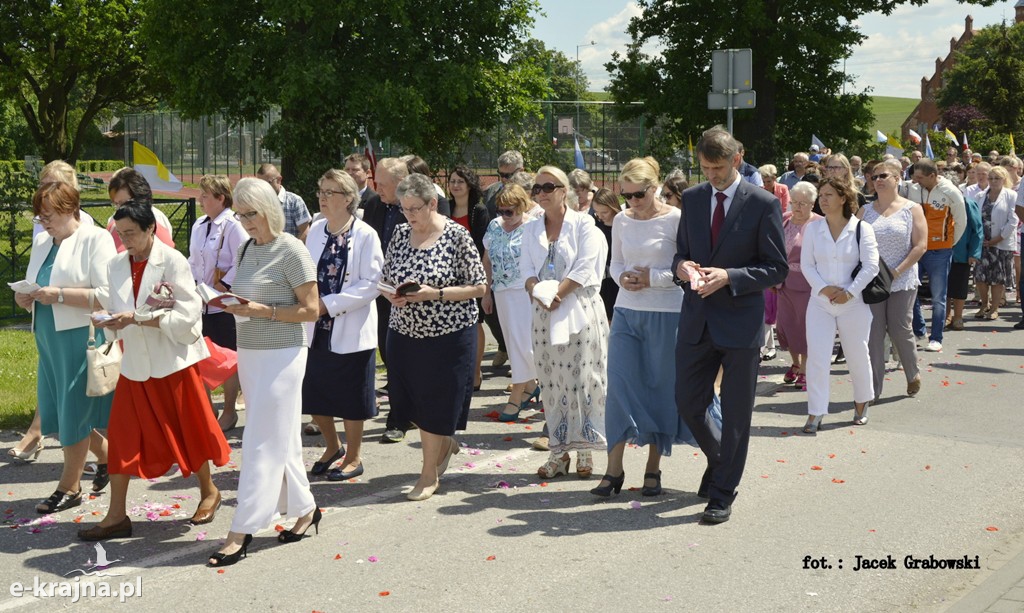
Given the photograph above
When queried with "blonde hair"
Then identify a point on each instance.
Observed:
(59, 171)
(348, 186)
(569, 198)
(643, 171)
(514, 197)
(217, 185)
(260, 197)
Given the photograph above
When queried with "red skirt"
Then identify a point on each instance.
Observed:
(160, 422)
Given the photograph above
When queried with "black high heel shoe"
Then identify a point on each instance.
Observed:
(614, 484)
(101, 479)
(227, 559)
(655, 490)
(287, 536)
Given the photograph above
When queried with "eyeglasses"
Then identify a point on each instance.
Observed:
(547, 188)
(412, 210)
(793, 203)
(246, 216)
(635, 195)
(506, 212)
(327, 193)
(836, 167)
(667, 193)
(882, 176)
(42, 219)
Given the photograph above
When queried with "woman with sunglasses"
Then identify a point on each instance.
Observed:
(503, 244)
(470, 212)
(673, 187)
(570, 329)
(901, 232)
(641, 405)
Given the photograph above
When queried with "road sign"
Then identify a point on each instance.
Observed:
(742, 100)
(742, 72)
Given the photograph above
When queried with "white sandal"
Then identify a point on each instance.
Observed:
(556, 466)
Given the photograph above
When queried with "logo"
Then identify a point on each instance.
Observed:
(101, 564)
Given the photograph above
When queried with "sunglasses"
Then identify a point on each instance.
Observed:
(635, 195)
(882, 176)
(506, 212)
(506, 175)
(547, 188)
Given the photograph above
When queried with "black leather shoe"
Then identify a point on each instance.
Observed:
(337, 474)
(654, 490)
(705, 483)
(717, 512)
(320, 468)
(1019, 325)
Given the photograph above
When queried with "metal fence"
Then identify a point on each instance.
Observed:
(213, 145)
(13, 264)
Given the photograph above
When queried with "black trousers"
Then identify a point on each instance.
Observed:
(396, 421)
(696, 368)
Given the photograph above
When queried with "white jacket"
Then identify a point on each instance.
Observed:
(353, 308)
(580, 243)
(178, 342)
(1004, 218)
(81, 262)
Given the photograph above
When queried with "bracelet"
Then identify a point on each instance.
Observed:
(440, 294)
(273, 312)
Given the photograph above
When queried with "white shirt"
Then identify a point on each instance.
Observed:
(729, 192)
(647, 243)
(826, 262)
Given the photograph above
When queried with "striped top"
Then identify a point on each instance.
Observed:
(269, 274)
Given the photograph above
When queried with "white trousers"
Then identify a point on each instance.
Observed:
(516, 316)
(853, 321)
(273, 478)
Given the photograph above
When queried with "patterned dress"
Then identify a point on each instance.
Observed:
(573, 376)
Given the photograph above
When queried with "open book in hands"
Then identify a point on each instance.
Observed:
(403, 289)
(218, 299)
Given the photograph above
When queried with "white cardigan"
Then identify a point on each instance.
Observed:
(178, 342)
(81, 262)
(1004, 217)
(353, 309)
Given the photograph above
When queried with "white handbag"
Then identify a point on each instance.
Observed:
(103, 365)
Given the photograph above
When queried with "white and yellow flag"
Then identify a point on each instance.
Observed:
(150, 166)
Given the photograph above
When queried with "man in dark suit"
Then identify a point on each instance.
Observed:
(358, 167)
(730, 248)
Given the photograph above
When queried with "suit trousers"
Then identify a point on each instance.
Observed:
(395, 420)
(273, 477)
(893, 316)
(696, 369)
(853, 320)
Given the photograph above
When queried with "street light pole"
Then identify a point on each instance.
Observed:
(578, 96)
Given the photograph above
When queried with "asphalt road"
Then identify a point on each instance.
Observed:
(938, 475)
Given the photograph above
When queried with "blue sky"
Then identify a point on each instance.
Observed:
(900, 48)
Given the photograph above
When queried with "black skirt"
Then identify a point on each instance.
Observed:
(430, 380)
(220, 328)
(339, 384)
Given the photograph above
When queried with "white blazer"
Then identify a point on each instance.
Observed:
(353, 309)
(825, 262)
(580, 244)
(178, 342)
(81, 262)
(1004, 217)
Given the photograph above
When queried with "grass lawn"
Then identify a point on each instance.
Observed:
(17, 378)
(890, 113)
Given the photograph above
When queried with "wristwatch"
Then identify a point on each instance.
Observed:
(60, 295)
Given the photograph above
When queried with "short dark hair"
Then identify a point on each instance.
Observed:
(139, 212)
(418, 166)
(926, 166)
(134, 182)
(846, 191)
(717, 144)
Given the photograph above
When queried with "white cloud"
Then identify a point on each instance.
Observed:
(609, 35)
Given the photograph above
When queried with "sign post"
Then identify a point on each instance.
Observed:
(731, 76)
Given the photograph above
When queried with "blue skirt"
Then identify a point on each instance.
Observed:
(430, 380)
(641, 406)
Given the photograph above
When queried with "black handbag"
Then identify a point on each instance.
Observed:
(879, 288)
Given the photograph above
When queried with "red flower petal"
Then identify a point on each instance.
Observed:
(838, 480)
(815, 468)
(491, 558)
(279, 527)
(337, 556)
(384, 594)
(992, 529)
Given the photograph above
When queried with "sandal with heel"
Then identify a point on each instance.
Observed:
(614, 485)
(654, 490)
(554, 467)
(510, 417)
(584, 464)
(227, 559)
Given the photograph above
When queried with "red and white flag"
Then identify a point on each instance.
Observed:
(963, 142)
(914, 137)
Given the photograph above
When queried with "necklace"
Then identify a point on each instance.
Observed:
(348, 224)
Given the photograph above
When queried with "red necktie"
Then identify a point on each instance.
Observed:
(718, 219)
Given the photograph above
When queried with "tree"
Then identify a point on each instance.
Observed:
(989, 75)
(423, 73)
(64, 62)
(797, 49)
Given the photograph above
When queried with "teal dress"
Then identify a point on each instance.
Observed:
(64, 408)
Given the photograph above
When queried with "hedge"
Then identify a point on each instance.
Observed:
(84, 166)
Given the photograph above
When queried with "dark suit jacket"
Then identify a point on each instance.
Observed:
(752, 250)
(367, 194)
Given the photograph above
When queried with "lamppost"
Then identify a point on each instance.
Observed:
(580, 69)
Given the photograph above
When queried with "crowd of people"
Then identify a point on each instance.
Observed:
(637, 313)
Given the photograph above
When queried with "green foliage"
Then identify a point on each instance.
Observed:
(796, 46)
(15, 140)
(64, 63)
(422, 73)
(989, 75)
(18, 364)
(16, 188)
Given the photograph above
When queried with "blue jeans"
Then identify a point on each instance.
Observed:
(935, 263)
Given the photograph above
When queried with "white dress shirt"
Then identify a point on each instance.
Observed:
(730, 193)
(826, 262)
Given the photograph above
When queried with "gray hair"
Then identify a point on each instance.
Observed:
(524, 180)
(348, 186)
(768, 170)
(260, 197)
(394, 167)
(804, 188)
(580, 178)
(511, 158)
(417, 186)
